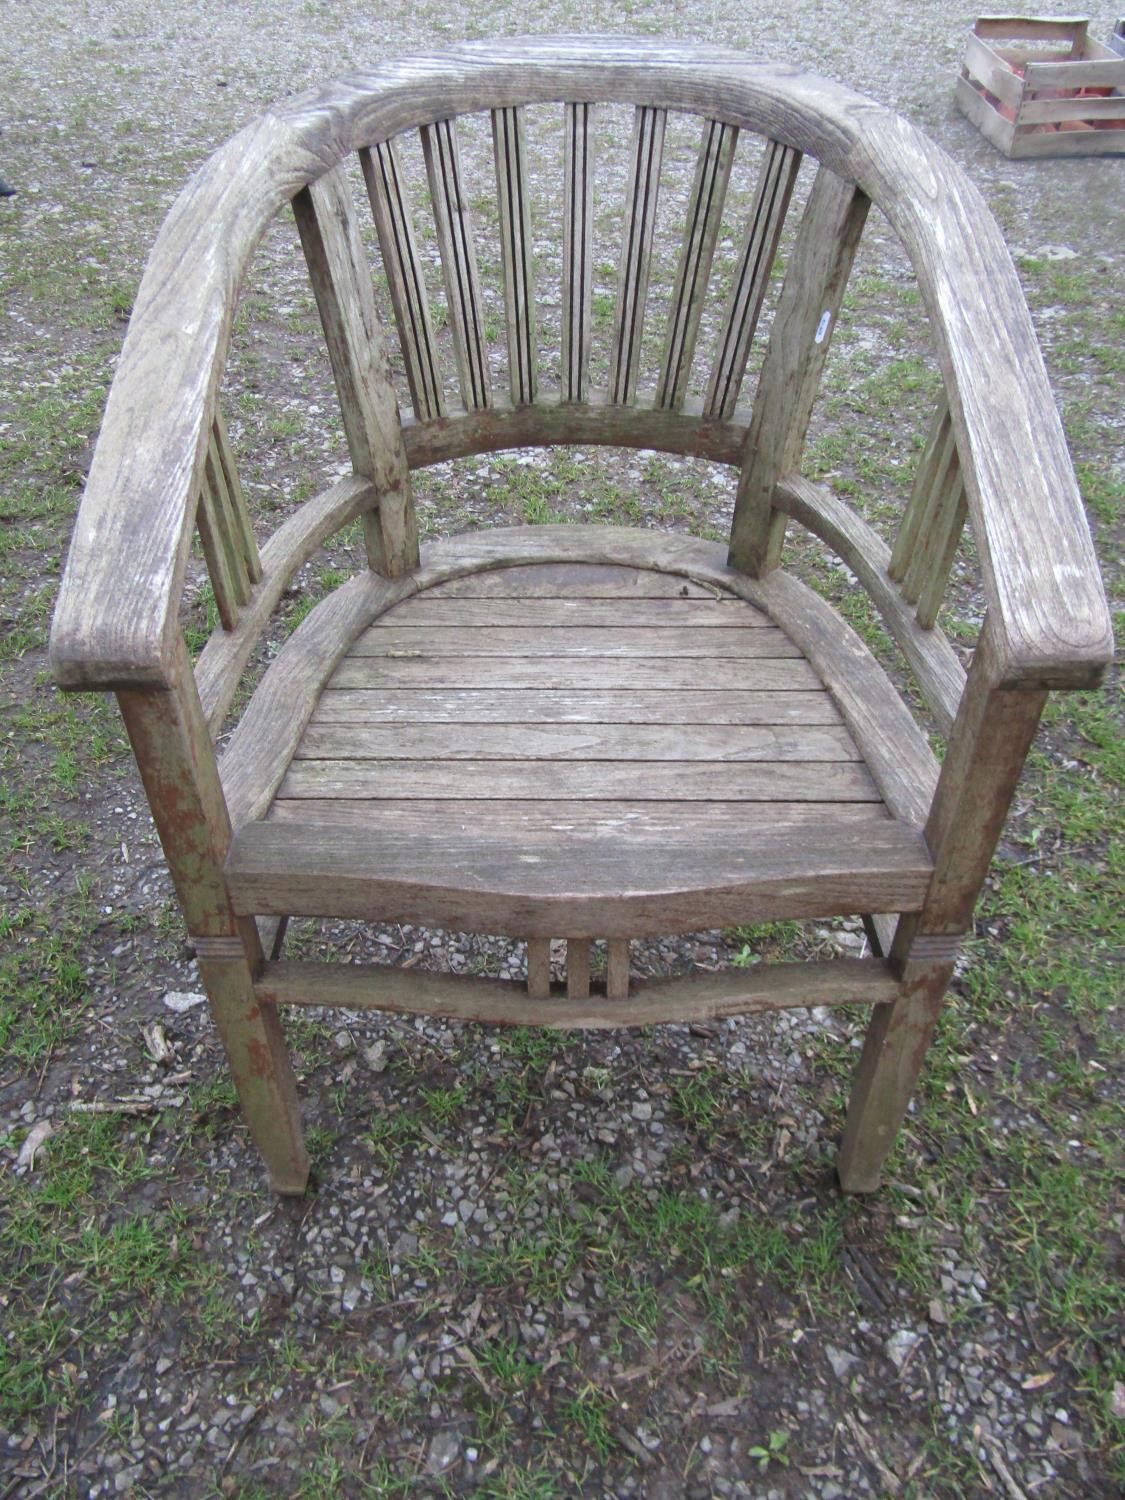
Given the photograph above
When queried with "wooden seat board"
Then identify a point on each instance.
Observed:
(592, 742)
(577, 580)
(544, 823)
(668, 640)
(527, 712)
(624, 614)
(471, 885)
(778, 675)
(571, 706)
(653, 781)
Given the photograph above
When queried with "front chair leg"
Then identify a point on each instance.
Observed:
(260, 1066)
(898, 1036)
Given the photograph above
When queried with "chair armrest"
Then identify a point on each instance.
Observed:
(116, 623)
(1050, 620)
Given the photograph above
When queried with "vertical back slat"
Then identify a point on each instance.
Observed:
(617, 969)
(576, 290)
(394, 224)
(799, 340)
(458, 260)
(636, 253)
(948, 529)
(240, 514)
(539, 968)
(515, 246)
(220, 513)
(937, 503)
(341, 281)
(934, 456)
(704, 216)
(740, 319)
(226, 584)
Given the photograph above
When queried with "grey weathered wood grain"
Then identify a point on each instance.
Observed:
(1038, 565)
(683, 674)
(938, 452)
(529, 740)
(389, 639)
(885, 734)
(594, 891)
(574, 706)
(341, 281)
(698, 997)
(255, 757)
(453, 220)
(394, 223)
(802, 329)
(564, 614)
(767, 219)
(229, 583)
(577, 287)
(931, 658)
(642, 196)
(617, 970)
(580, 827)
(894, 749)
(704, 218)
(553, 420)
(547, 824)
(538, 968)
(225, 655)
(577, 968)
(527, 585)
(516, 252)
(579, 780)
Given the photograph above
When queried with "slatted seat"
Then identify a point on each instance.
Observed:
(579, 732)
(666, 763)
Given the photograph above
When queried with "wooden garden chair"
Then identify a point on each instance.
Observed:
(579, 732)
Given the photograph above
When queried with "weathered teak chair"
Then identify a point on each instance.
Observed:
(579, 731)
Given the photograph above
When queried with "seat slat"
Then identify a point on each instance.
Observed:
(459, 262)
(394, 640)
(459, 705)
(621, 674)
(679, 781)
(767, 219)
(532, 741)
(577, 282)
(515, 246)
(636, 253)
(563, 614)
(545, 824)
(394, 224)
(704, 216)
(575, 581)
(307, 869)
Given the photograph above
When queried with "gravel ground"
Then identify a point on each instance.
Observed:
(606, 1265)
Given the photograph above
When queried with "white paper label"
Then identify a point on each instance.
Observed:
(822, 327)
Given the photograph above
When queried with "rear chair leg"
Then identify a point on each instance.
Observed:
(259, 1062)
(898, 1036)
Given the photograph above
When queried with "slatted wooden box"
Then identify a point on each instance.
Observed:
(1043, 87)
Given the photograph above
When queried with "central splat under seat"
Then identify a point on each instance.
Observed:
(580, 732)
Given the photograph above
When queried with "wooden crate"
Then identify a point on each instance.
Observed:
(1042, 87)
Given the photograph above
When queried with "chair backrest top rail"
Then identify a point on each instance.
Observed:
(1038, 565)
